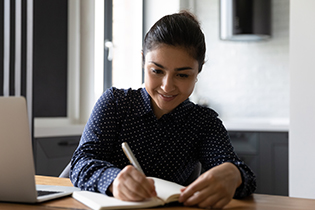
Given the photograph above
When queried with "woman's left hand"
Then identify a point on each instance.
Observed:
(214, 188)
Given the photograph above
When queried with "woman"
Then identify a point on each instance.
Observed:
(168, 134)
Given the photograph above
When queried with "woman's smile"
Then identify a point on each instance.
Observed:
(167, 97)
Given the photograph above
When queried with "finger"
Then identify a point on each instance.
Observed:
(214, 203)
(193, 200)
(191, 190)
(133, 196)
(214, 200)
(208, 197)
(221, 203)
(138, 189)
(146, 184)
(126, 184)
(208, 202)
(200, 197)
(121, 196)
(138, 183)
(121, 192)
(153, 192)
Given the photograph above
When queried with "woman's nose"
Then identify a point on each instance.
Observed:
(168, 84)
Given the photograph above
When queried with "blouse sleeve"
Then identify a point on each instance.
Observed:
(89, 168)
(217, 149)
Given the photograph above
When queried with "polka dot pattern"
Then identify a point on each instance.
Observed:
(168, 147)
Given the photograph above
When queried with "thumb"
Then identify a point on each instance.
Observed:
(153, 192)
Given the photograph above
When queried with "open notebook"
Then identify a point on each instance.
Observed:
(167, 192)
(17, 177)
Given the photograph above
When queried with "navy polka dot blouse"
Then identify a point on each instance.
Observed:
(168, 148)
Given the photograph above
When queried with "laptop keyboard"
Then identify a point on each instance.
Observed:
(42, 193)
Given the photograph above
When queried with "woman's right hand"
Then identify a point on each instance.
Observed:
(132, 185)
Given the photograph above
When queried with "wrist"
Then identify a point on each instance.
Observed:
(235, 172)
(109, 190)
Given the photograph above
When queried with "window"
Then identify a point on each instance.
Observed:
(127, 43)
(85, 63)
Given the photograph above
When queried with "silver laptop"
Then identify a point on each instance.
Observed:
(17, 173)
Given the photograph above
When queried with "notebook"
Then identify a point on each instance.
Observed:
(167, 193)
(17, 176)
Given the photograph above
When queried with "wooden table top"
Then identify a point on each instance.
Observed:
(256, 201)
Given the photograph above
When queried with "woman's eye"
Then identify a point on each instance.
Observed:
(183, 75)
(157, 71)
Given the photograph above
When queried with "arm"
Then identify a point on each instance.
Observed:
(90, 168)
(215, 187)
(93, 164)
(226, 175)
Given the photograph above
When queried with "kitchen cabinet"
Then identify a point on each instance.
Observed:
(52, 154)
(266, 153)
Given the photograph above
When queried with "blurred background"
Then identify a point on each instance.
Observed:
(62, 55)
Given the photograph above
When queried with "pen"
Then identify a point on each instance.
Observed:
(131, 156)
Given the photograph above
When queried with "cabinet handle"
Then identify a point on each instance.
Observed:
(66, 143)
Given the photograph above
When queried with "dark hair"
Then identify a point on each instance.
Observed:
(179, 29)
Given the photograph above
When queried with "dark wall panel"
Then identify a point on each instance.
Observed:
(50, 58)
(1, 46)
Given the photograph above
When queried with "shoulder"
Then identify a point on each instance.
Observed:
(115, 100)
(124, 99)
(206, 117)
(207, 121)
(119, 92)
(114, 93)
(204, 112)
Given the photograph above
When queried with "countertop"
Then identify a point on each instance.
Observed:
(245, 124)
(257, 124)
(56, 127)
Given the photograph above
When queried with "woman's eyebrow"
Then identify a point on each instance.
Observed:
(157, 64)
(183, 68)
(177, 69)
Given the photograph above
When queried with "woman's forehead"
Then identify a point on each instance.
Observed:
(170, 57)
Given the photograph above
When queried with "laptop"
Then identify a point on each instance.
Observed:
(17, 171)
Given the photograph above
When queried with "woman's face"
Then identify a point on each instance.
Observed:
(170, 77)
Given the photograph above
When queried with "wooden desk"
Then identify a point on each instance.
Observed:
(256, 201)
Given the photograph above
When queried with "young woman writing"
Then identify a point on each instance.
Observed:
(168, 134)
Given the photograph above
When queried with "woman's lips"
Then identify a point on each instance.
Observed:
(167, 97)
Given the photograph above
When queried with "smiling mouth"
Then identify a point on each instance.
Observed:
(167, 97)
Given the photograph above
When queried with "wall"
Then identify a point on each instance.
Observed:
(302, 99)
(155, 9)
(245, 79)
